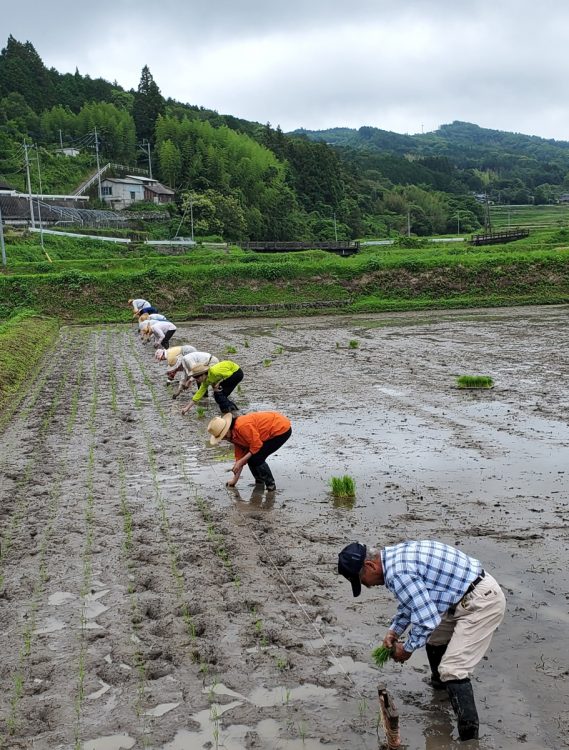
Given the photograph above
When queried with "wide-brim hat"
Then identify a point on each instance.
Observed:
(350, 563)
(172, 356)
(219, 427)
(199, 370)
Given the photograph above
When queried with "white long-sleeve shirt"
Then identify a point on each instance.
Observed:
(160, 328)
(138, 304)
(197, 358)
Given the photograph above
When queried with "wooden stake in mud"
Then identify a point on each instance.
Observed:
(389, 718)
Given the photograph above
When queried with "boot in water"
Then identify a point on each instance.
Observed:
(462, 700)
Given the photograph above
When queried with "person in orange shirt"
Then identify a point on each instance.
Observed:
(255, 436)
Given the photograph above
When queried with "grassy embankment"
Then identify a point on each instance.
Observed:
(78, 287)
(24, 339)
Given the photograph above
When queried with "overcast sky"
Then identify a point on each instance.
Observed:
(402, 65)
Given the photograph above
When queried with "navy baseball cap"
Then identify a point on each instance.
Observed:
(350, 563)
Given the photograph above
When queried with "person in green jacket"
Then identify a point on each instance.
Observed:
(223, 377)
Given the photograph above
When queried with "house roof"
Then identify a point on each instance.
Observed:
(5, 186)
(160, 189)
(122, 181)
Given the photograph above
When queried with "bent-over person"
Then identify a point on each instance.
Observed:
(450, 604)
(255, 436)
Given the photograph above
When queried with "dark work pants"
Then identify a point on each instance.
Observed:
(165, 343)
(226, 387)
(258, 461)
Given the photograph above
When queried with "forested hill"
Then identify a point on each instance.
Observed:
(246, 180)
(467, 144)
(498, 155)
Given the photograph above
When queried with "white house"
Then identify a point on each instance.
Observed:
(120, 192)
(68, 151)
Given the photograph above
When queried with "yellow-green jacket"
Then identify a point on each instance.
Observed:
(216, 373)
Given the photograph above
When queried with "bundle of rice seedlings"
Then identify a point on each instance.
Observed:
(343, 486)
(474, 381)
(381, 654)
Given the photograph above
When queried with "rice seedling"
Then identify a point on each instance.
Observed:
(200, 412)
(246, 344)
(474, 381)
(381, 654)
(354, 344)
(230, 350)
(267, 362)
(343, 486)
(337, 344)
(279, 350)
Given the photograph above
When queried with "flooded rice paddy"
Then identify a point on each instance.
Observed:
(144, 605)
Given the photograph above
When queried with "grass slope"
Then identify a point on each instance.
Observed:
(24, 339)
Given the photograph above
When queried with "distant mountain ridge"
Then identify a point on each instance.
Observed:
(463, 142)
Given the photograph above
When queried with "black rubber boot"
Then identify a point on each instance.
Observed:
(256, 476)
(225, 404)
(266, 476)
(434, 655)
(462, 700)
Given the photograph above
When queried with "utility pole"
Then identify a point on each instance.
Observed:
(60, 140)
(146, 147)
(98, 165)
(38, 200)
(335, 229)
(408, 222)
(192, 217)
(458, 222)
(29, 186)
(2, 246)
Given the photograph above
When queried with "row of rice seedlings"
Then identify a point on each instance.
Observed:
(218, 541)
(16, 518)
(343, 486)
(138, 657)
(74, 401)
(21, 504)
(174, 555)
(149, 384)
(474, 381)
(87, 558)
(178, 576)
(132, 385)
(112, 375)
(25, 650)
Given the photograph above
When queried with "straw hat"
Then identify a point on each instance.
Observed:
(199, 370)
(144, 316)
(172, 356)
(219, 427)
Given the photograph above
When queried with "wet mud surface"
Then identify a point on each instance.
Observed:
(144, 605)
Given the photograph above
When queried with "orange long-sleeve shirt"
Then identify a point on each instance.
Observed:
(251, 430)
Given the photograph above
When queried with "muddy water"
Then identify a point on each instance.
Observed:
(143, 604)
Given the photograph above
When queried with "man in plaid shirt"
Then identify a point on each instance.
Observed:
(449, 603)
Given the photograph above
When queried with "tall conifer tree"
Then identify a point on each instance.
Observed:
(148, 104)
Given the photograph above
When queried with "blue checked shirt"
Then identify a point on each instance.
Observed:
(427, 578)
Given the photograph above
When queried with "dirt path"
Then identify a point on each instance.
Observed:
(144, 605)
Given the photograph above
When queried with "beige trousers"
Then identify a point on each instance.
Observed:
(469, 630)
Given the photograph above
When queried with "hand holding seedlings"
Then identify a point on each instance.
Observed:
(381, 654)
(400, 655)
(390, 639)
